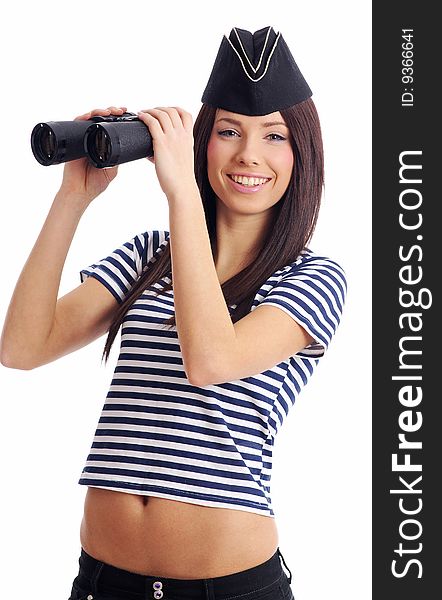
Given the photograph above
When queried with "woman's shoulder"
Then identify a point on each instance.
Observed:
(310, 259)
(142, 247)
(317, 269)
(160, 234)
(149, 241)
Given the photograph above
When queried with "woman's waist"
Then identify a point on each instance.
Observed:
(150, 535)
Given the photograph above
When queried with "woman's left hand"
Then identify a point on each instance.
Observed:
(171, 129)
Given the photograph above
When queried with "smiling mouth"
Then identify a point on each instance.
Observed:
(248, 181)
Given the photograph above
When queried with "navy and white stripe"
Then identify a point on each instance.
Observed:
(119, 270)
(158, 435)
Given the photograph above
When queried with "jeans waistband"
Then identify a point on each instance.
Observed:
(104, 577)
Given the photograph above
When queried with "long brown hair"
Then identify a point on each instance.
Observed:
(294, 218)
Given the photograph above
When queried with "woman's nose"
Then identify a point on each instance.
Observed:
(247, 154)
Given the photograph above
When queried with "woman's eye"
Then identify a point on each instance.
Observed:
(276, 137)
(227, 133)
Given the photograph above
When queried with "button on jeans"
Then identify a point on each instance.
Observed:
(97, 580)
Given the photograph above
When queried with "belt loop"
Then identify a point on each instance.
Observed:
(210, 593)
(95, 577)
(285, 564)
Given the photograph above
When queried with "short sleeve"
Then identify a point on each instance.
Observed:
(118, 271)
(313, 294)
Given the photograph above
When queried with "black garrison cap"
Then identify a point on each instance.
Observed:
(255, 74)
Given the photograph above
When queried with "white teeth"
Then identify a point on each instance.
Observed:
(250, 181)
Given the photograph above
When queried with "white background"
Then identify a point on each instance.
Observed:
(60, 60)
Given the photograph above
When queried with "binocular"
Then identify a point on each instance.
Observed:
(105, 141)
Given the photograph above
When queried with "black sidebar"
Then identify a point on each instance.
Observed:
(407, 242)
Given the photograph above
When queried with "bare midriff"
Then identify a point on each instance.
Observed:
(169, 538)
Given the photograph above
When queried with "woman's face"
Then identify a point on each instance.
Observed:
(249, 160)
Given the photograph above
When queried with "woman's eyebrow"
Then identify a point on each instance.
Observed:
(269, 124)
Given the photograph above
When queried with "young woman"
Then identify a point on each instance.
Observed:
(224, 318)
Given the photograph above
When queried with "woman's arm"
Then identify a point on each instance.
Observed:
(205, 328)
(204, 325)
(38, 327)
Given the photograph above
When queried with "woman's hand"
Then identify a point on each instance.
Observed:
(80, 177)
(171, 129)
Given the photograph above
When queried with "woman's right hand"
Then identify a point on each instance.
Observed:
(80, 177)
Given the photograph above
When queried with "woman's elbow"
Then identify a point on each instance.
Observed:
(14, 358)
(16, 362)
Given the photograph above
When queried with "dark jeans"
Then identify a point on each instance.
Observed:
(99, 581)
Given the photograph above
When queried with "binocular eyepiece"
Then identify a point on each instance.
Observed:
(105, 141)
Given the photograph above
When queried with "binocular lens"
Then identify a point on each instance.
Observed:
(45, 142)
(99, 145)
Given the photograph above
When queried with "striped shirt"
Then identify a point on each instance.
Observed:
(159, 435)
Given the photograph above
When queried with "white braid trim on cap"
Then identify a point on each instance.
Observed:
(260, 59)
